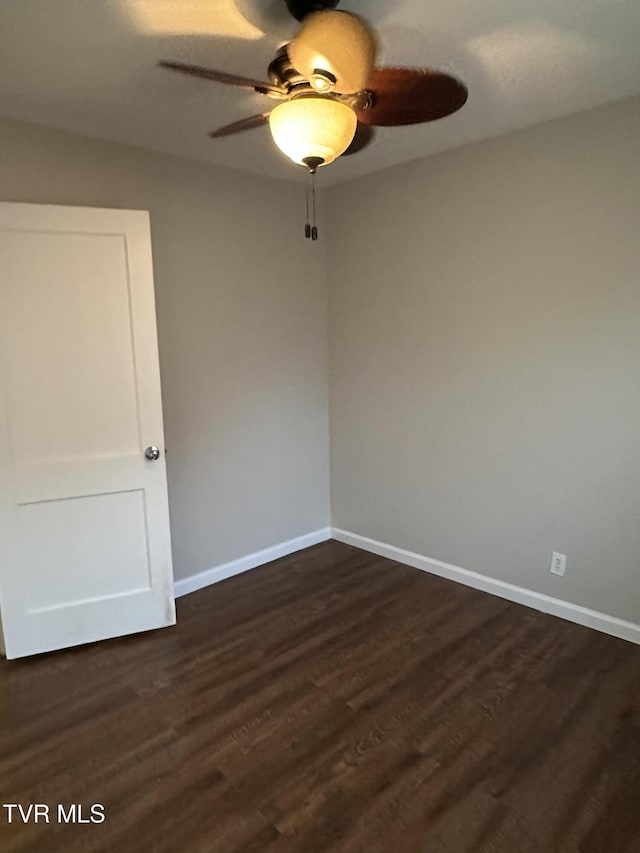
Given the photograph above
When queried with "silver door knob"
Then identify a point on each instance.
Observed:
(152, 453)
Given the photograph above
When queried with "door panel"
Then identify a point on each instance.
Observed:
(106, 532)
(80, 284)
(84, 526)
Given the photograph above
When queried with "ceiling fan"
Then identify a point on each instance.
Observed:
(331, 94)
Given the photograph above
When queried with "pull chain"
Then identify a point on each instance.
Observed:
(314, 230)
(307, 227)
(310, 228)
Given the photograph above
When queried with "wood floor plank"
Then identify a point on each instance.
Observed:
(331, 702)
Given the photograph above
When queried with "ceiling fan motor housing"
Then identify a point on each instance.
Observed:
(301, 8)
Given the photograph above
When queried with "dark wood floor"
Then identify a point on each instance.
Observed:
(332, 701)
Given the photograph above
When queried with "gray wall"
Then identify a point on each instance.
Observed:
(485, 357)
(241, 304)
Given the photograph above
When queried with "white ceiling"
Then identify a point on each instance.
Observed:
(90, 66)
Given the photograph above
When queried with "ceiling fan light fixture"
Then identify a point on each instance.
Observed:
(340, 44)
(314, 128)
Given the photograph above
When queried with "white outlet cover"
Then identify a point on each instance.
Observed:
(558, 564)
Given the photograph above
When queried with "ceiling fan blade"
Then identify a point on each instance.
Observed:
(365, 135)
(301, 8)
(411, 96)
(224, 77)
(238, 126)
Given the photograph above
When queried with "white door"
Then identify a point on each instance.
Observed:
(85, 551)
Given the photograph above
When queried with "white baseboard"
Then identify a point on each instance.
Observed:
(251, 561)
(555, 606)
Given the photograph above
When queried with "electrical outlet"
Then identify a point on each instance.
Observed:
(558, 564)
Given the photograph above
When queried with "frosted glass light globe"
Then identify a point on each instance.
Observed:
(313, 126)
(337, 42)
